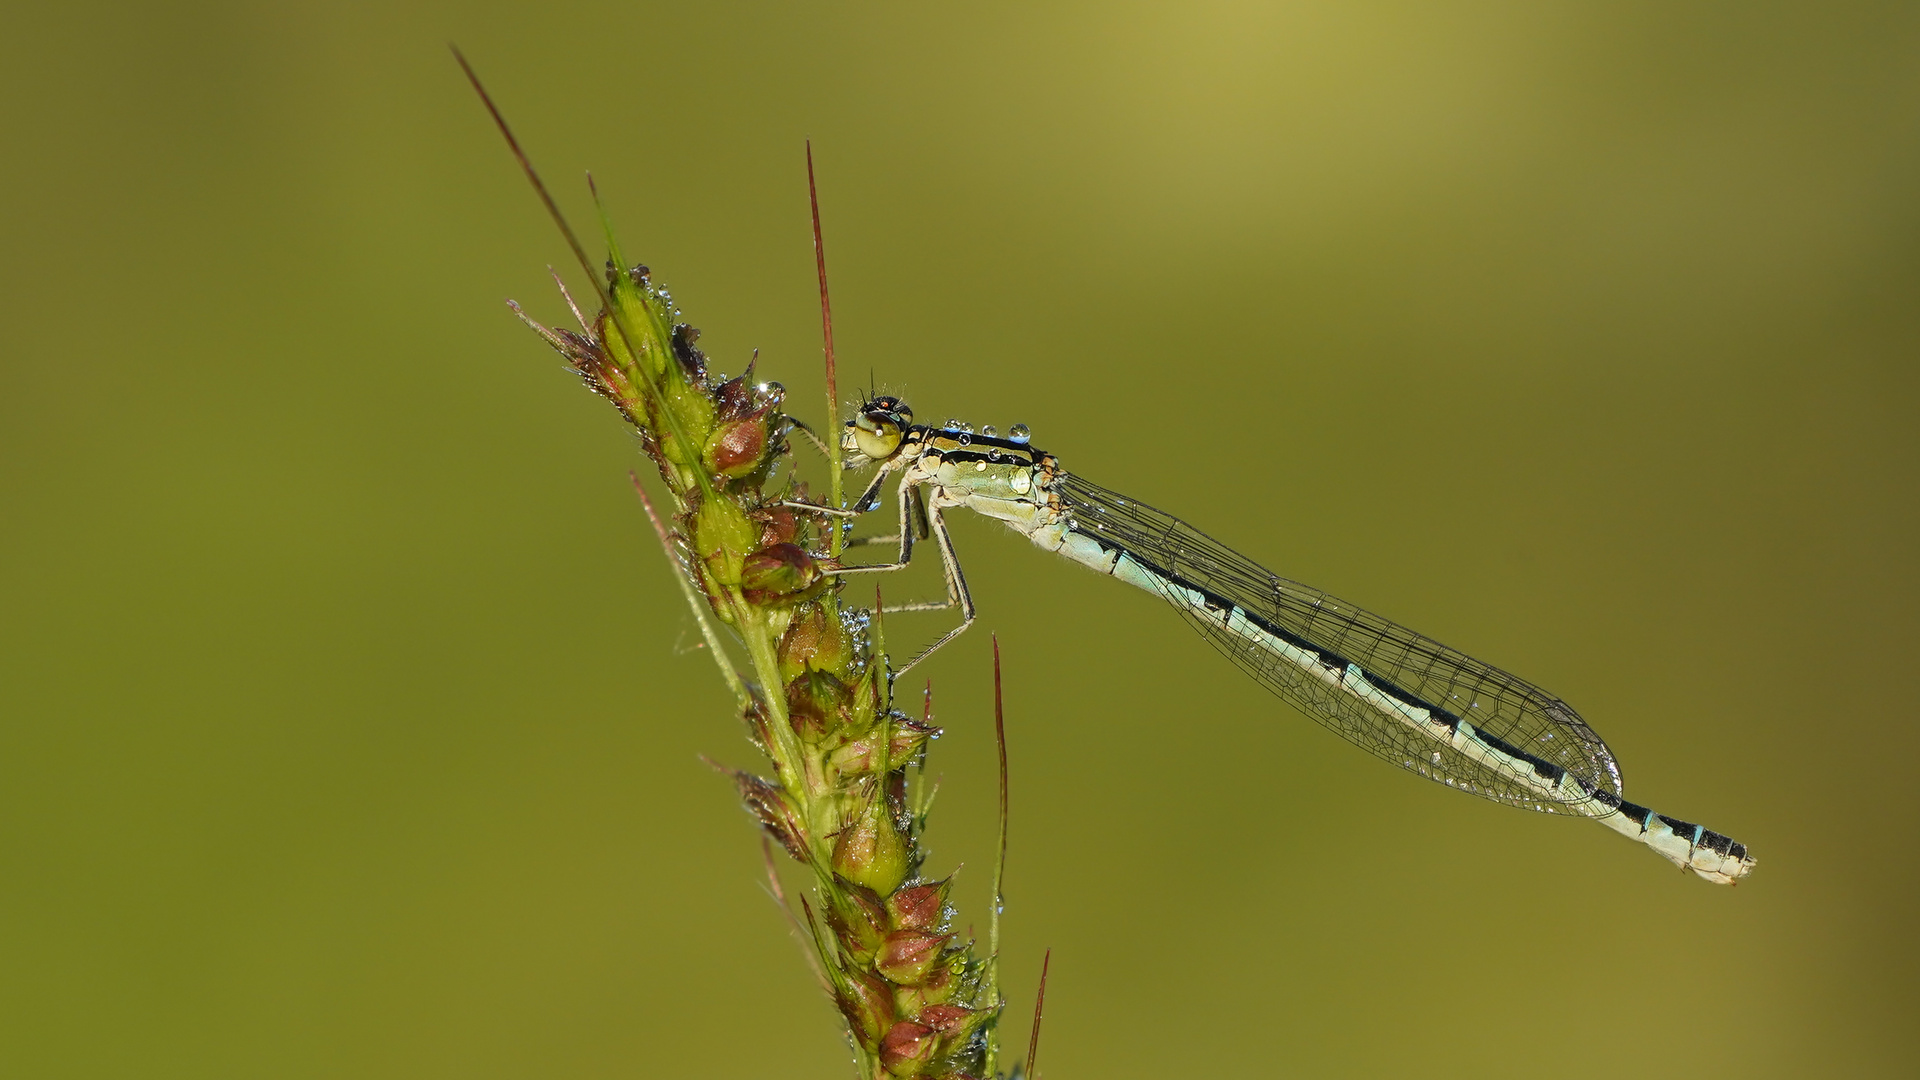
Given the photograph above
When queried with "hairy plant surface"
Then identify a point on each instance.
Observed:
(816, 698)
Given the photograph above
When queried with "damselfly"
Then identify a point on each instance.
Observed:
(1397, 694)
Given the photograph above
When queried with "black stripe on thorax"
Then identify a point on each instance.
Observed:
(970, 455)
(951, 440)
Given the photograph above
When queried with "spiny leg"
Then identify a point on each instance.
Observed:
(929, 523)
(906, 530)
(916, 523)
(957, 593)
(919, 516)
(813, 436)
(868, 501)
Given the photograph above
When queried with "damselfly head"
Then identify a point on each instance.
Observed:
(877, 429)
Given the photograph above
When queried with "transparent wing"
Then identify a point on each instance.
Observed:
(1405, 665)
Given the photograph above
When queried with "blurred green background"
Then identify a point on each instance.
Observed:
(350, 716)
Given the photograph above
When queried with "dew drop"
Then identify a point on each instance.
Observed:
(1020, 433)
(989, 431)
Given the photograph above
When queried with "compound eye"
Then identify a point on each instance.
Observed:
(875, 434)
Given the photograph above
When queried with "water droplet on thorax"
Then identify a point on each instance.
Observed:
(1019, 433)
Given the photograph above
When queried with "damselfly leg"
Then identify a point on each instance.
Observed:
(928, 523)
